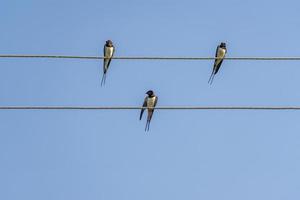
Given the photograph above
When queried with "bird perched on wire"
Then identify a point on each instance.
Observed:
(108, 53)
(149, 103)
(220, 54)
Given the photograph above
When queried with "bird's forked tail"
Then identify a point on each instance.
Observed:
(103, 78)
(147, 125)
(211, 78)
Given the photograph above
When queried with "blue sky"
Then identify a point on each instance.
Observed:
(106, 155)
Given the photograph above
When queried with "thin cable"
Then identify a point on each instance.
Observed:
(157, 108)
(147, 57)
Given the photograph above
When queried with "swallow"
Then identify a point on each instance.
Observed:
(108, 53)
(149, 103)
(220, 54)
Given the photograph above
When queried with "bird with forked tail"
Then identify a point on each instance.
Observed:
(220, 54)
(108, 53)
(149, 103)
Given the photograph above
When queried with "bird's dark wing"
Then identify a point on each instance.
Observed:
(217, 50)
(216, 55)
(156, 99)
(143, 109)
(104, 60)
(218, 66)
(104, 50)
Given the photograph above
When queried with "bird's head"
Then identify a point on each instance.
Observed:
(109, 43)
(223, 45)
(150, 93)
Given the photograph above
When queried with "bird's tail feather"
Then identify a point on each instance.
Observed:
(211, 77)
(103, 79)
(104, 72)
(150, 114)
(147, 125)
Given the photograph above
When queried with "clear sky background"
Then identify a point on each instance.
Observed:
(106, 155)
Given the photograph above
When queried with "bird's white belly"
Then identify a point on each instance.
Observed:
(151, 102)
(221, 53)
(109, 52)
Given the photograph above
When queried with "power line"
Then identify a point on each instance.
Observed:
(147, 57)
(157, 108)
